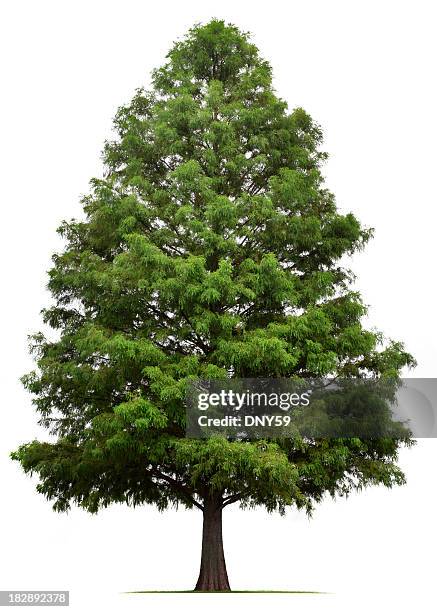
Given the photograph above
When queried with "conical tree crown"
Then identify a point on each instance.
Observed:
(210, 249)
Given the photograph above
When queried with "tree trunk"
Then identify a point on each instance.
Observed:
(213, 575)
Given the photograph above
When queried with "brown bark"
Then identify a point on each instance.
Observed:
(213, 575)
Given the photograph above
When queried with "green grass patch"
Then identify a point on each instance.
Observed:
(230, 592)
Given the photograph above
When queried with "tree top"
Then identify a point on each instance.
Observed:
(215, 51)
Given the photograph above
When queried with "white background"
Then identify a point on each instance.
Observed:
(366, 72)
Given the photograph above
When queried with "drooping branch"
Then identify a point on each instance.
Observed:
(231, 499)
(179, 487)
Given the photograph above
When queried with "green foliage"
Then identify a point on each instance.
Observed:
(210, 249)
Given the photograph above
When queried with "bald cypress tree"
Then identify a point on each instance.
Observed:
(209, 249)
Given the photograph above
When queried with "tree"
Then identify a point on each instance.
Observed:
(210, 249)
